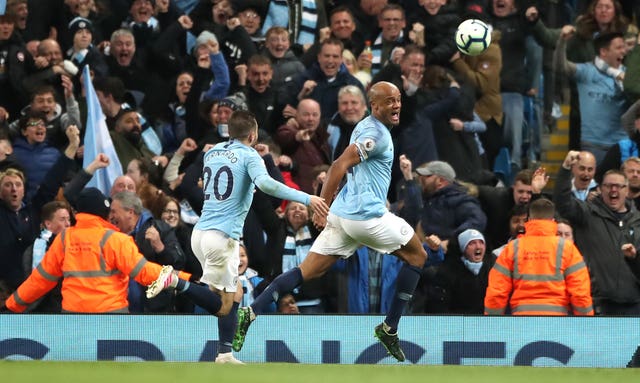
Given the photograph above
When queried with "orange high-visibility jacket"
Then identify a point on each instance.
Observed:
(539, 273)
(96, 262)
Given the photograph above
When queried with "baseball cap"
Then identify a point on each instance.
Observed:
(437, 168)
(467, 236)
(92, 201)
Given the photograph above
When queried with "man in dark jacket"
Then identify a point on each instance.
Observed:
(497, 203)
(607, 233)
(13, 61)
(20, 218)
(155, 239)
(324, 79)
(448, 208)
(262, 98)
(460, 283)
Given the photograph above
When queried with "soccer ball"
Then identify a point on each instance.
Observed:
(473, 37)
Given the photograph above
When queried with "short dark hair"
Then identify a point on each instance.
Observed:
(241, 123)
(204, 108)
(50, 208)
(43, 89)
(518, 210)
(603, 40)
(340, 9)
(332, 41)
(524, 176)
(411, 49)
(258, 59)
(31, 115)
(542, 208)
(8, 17)
(110, 86)
(392, 7)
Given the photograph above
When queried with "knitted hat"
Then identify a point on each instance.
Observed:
(236, 101)
(92, 201)
(80, 23)
(438, 168)
(467, 236)
(204, 37)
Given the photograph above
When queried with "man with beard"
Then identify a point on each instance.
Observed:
(607, 231)
(352, 108)
(128, 142)
(448, 208)
(517, 218)
(539, 273)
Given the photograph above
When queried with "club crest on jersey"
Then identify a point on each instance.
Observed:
(369, 144)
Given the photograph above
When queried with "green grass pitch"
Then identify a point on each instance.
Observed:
(169, 372)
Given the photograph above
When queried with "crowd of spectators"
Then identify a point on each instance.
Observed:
(169, 73)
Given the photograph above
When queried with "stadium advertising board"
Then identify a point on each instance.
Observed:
(535, 341)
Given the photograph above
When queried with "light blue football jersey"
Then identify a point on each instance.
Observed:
(364, 196)
(230, 171)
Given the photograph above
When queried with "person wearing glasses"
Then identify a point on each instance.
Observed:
(34, 151)
(167, 209)
(607, 233)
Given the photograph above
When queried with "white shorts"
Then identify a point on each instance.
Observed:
(219, 256)
(341, 236)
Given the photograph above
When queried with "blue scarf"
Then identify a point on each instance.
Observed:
(296, 247)
(377, 61)
(40, 246)
(280, 13)
(474, 267)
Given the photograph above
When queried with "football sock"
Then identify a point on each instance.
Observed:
(406, 283)
(201, 295)
(226, 329)
(283, 283)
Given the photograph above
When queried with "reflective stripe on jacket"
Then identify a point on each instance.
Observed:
(95, 261)
(539, 274)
